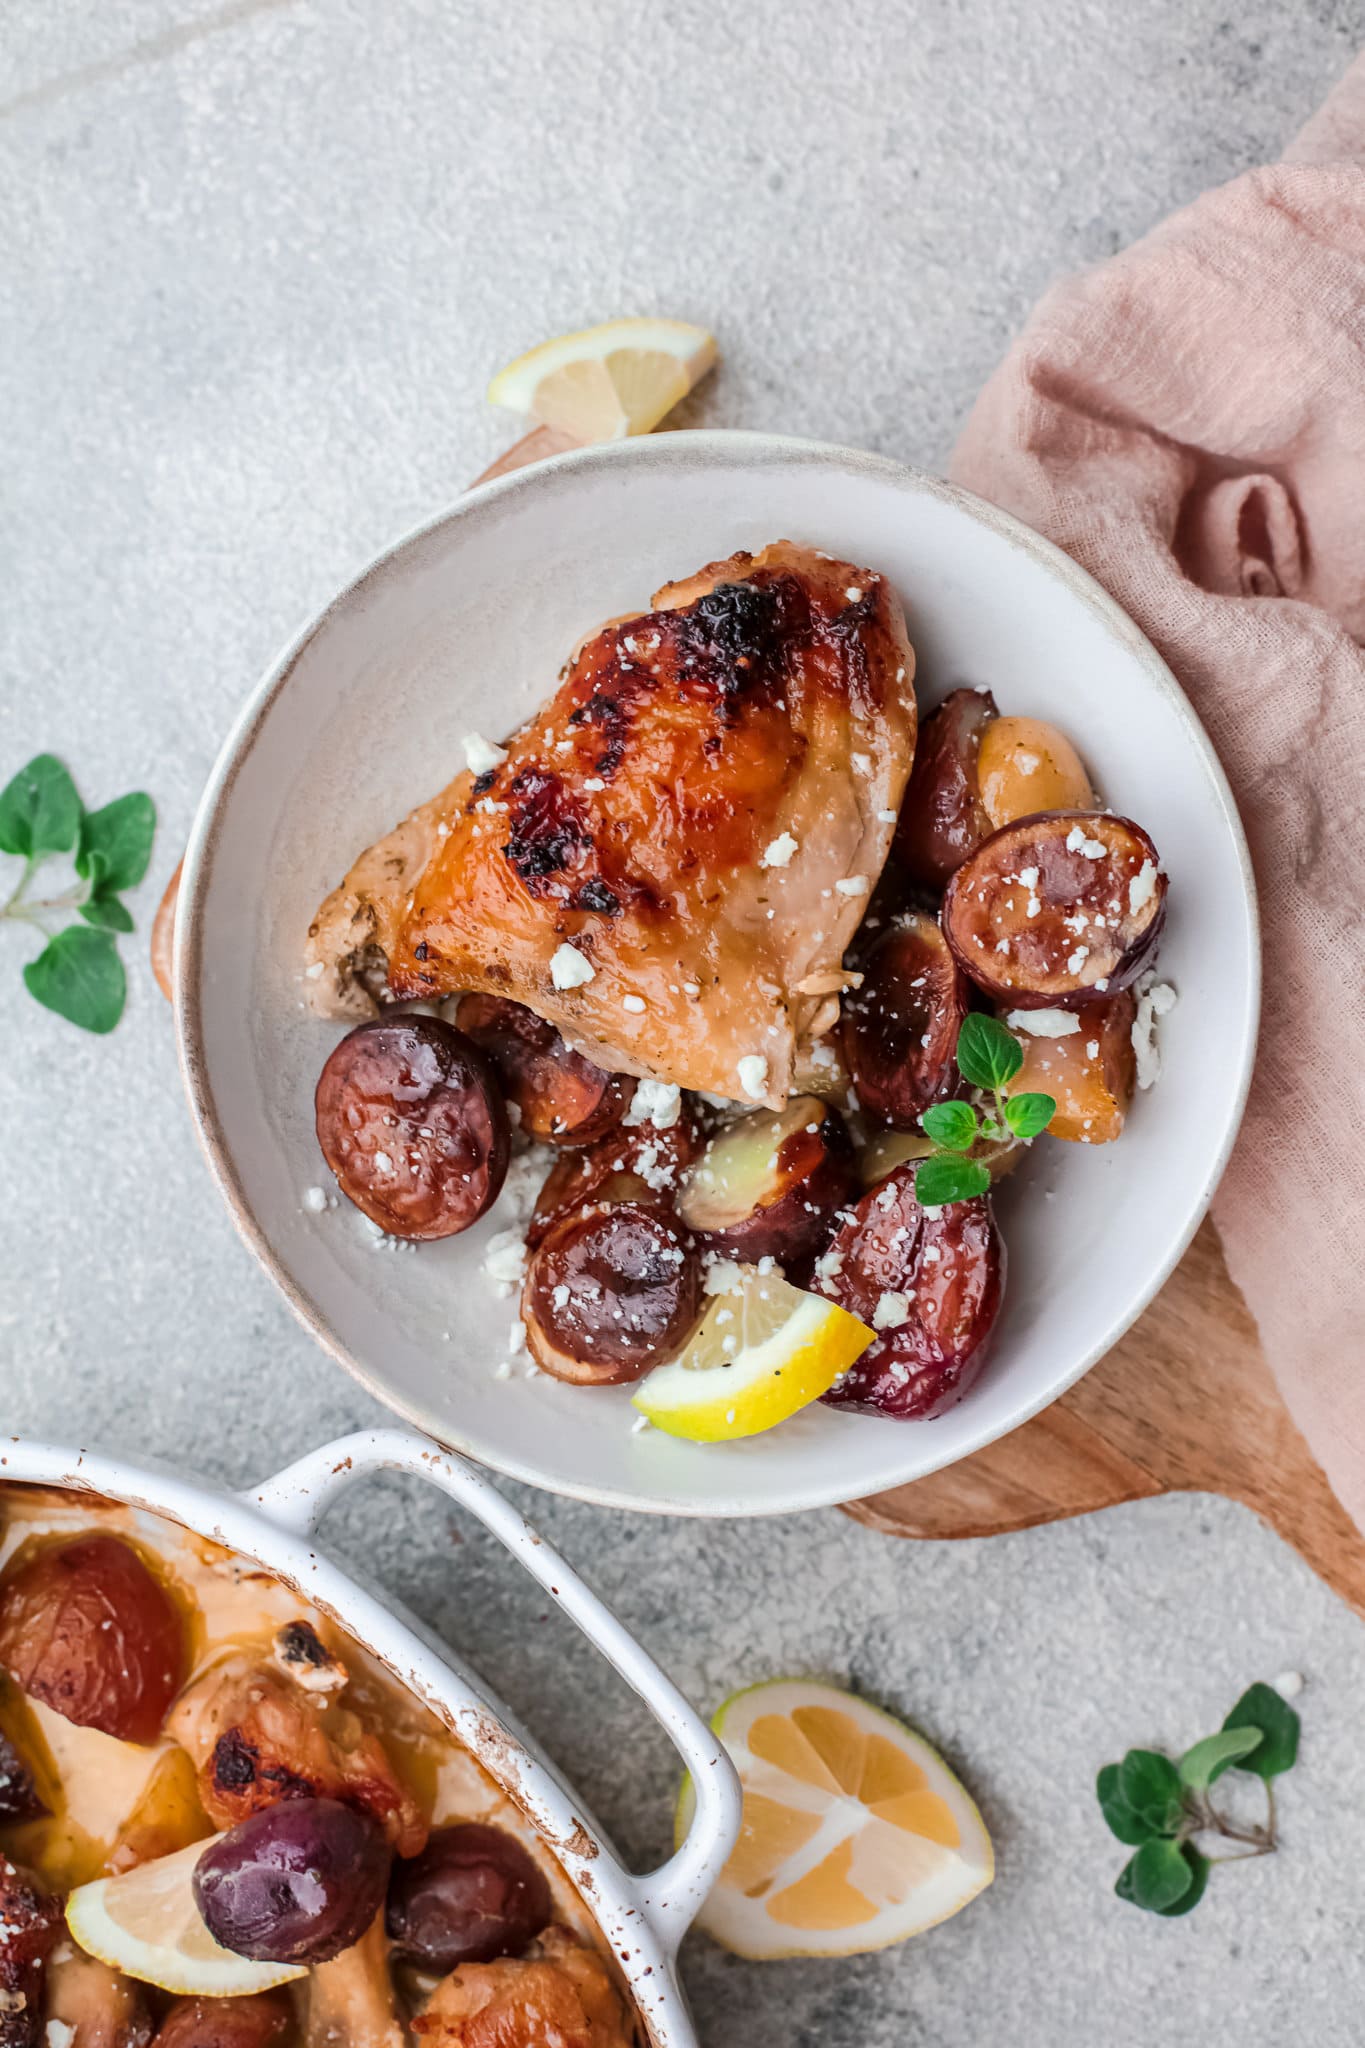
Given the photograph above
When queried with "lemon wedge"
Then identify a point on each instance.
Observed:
(146, 1923)
(610, 381)
(762, 1350)
(855, 1832)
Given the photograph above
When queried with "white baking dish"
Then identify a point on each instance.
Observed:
(641, 1919)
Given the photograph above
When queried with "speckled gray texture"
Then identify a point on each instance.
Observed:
(256, 264)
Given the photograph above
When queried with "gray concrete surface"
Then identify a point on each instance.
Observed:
(257, 261)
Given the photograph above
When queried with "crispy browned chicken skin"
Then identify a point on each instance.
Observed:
(560, 1997)
(682, 813)
(256, 1737)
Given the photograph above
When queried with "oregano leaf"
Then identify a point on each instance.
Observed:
(1206, 1761)
(953, 1125)
(988, 1055)
(40, 811)
(1262, 1707)
(120, 836)
(1029, 1115)
(80, 976)
(950, 1179)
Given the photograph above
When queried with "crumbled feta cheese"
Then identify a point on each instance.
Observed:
(1029, 877)
(635, 1004)
(753, 1076)
(723, 1276)
(516, 1338)
(863, 763)
(891, 1311)
(852, 885)
(887, 817)
(640, 1425)
(654, 1102)
(853, 594)
(1288, 1684)
(829, 1265)
(1154, 999)
(315, 1200)
(1142, 888)
(1076, 961)
(821, 1054)
(560, 1296)
(692, 988)
(383, 1162)
(657, 1173)
(312, 972)
(594, 782)
(1077, 841)
(481, 754)
(1092, 1049)
(60, 2035)
(779, 851)
(1044, 1023)
(569, 968)
(503, 1371)
(526, 1173)
(504, 1260)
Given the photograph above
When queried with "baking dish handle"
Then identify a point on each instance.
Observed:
(671, 1896)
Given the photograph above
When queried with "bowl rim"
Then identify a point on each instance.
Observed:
(684, 448)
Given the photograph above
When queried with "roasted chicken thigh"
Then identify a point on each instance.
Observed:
(676, 850)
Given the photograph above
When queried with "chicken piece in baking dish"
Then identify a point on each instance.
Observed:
(560, 1993)
(256, 1737)
(677, 849)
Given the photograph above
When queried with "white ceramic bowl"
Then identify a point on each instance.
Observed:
(642, 1919)
(462, 626)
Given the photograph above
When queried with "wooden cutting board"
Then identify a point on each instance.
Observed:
(1185, 1403)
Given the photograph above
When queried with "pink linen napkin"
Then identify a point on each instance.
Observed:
(1188, 422)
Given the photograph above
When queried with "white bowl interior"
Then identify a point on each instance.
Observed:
(463, 627)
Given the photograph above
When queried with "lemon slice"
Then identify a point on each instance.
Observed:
(763, 1350)
(147, 1924)
(855, 1832)
(610, 381)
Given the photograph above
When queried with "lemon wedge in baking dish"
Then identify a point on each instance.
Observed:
(762, 1350)
(855, 1833)
(610, 381)
(147, 1924)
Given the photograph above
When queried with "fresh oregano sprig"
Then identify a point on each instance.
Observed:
(988, 1058)
(1162, 1809)
(78, 973)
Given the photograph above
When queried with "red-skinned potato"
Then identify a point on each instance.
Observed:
(929, 1284)
(412, 1123)
(900, 1028)
(1057, 909)
(942, 818)
(636, 1163)
(86, 1629)
(767, 1185)
(609, 1291)
(96, 2006)
(886, 1150)
(257, 2022)
(1026, 766)
(1089, 1072)
(563, 1098)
